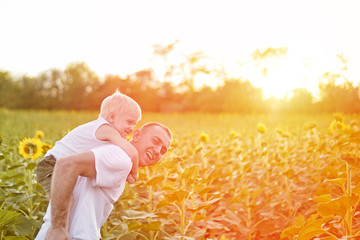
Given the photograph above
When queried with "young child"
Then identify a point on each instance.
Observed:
(118, 116)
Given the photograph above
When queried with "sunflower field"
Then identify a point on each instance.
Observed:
(226, 176)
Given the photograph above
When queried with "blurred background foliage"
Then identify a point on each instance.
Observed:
(79, 88)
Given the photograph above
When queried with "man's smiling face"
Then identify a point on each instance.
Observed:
(151, 143)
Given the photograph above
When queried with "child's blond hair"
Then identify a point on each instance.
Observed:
(119, 103)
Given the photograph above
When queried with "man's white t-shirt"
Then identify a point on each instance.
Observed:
(94, 197)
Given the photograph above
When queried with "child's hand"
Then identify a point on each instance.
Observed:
(131, 179)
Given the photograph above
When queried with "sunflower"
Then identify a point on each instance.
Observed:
(261, 128)
(204, 137)
(45, 147)
(233, 134)
(39, 134)
(338, 117)
(336, 125)
(310, 126)
(30, 148)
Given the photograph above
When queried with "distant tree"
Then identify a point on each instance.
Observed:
(207, 100)
(145, 92)
(273, 105)
(52, 82)
(145, 78)
(30, 93)
(9, 91)
(338, 94)
(339, 97)
(301, 101)
(79, 84)
(239, 96)
(110, 84)
(262, 58)
(164, 50)
(169, 100)
(140, 86)
(165, 68)
(196, 63)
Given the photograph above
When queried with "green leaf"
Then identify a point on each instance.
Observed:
(290, 232)
(163, 203)
(15, 166)
(322, 198)
(204, 205)
(337, 206)
(151, 226)
(7, 216)
(337, 181)
(200, 189)
(24, 226)
(31, 166)
(15, 238)
(356, 189)
(177, 196)
(155, 181)
(134, 226)
(190, 172)
(330, 238)
(132, 214)
(311, 230)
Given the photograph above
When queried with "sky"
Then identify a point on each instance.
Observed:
(117, 37)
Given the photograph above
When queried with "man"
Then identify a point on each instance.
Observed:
(96, 179)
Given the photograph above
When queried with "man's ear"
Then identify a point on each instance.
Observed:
(135, 135)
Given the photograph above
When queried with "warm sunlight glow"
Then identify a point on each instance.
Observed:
(120, 39)
(301, 66)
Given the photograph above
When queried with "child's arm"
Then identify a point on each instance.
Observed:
(107, 133)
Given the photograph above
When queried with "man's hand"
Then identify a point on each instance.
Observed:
(57, 234)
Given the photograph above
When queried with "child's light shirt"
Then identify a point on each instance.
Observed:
(94, 197)
(80, 139)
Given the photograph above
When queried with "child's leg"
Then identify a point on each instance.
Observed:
(44, 171)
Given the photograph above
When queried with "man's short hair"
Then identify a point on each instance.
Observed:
(151, 124)
(119, 103)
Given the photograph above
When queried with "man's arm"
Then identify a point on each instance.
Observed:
(108, 133)
(66, 172)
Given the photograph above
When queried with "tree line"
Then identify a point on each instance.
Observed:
(79, 88)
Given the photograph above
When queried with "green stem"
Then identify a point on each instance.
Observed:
(140, 234)
(288, 197)
(150, 209)
(330, 234)
(349, 193)
(166, 234)
(30, 192)
(104, 229)
(175, 224)
(249, 217)
(183, 217)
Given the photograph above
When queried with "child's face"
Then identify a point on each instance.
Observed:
(125, 123)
